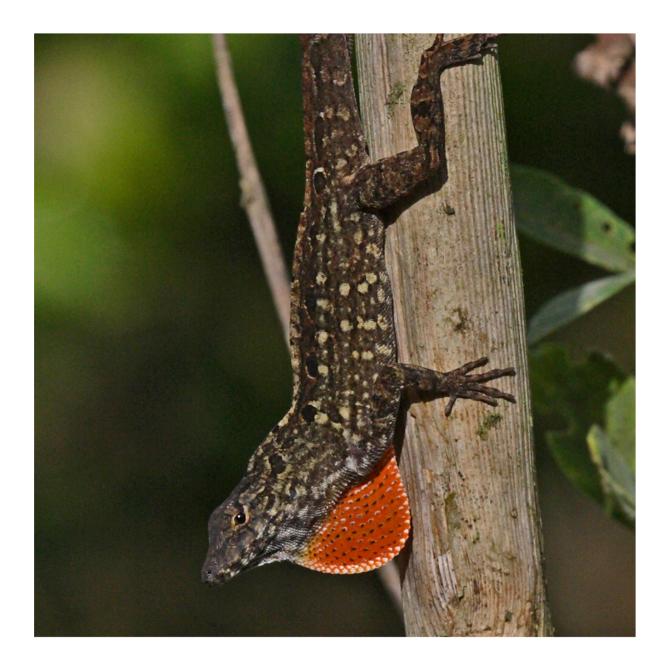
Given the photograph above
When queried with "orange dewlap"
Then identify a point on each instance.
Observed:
(368, 526)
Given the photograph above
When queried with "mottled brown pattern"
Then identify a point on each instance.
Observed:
(347, 382)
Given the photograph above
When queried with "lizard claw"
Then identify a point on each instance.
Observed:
(461, 384)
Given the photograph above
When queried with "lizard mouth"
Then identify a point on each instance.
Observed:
(210, 575)
(218, 571)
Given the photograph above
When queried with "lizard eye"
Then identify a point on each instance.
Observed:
(239, 519)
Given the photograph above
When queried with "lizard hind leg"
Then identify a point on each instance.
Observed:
(385, 182)
(458, 383)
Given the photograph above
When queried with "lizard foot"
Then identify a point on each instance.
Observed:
(459, 383)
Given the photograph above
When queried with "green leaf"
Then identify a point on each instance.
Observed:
(613, 452)
(570, 220)
(568, 399)
(568, 306)
(620, 421)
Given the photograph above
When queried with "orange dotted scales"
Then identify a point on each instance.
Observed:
(368, 526)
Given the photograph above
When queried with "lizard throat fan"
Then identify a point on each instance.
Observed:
(368, 527)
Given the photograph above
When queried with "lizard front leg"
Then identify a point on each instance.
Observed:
(383, 183)
(458, 383)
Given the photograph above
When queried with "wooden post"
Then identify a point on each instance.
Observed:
(475, 566)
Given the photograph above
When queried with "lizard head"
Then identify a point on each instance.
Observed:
(272, 513)
(241, 533)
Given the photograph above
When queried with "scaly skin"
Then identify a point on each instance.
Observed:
(347, 382)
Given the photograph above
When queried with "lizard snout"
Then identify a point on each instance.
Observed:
(213, 573)
(218, 568)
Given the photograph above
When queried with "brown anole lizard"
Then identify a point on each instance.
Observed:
(323, 489)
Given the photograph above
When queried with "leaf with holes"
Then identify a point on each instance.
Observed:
(568, 306)
(570, 220)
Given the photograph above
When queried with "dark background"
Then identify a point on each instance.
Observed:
(160, 364)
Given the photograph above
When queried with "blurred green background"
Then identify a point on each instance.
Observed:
(160, 364)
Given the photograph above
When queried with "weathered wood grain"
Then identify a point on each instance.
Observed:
(475, 566)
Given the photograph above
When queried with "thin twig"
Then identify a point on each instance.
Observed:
(255, 202)
(390, 579)
(254, 199)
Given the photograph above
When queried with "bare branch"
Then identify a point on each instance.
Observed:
(254, 199)
(390, 578)
(475, 563)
